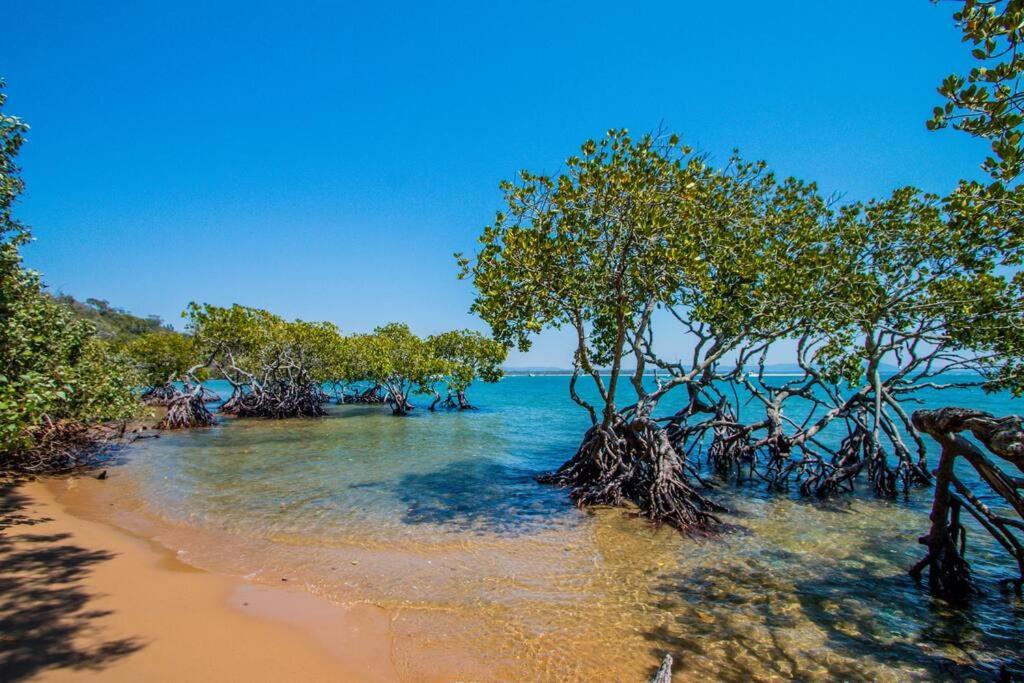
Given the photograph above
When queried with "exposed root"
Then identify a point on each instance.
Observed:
(633, 463)
(160, 395)
(186, 411)
(374, 395)
(457, 401)
(276, 401)
(66, 446)
(210, 396)
(949, 574)
(166, 394)
(400, 405)
(763, 451)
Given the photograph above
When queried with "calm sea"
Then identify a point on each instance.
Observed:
(437, 518)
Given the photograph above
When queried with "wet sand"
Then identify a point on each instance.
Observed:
(81, 600)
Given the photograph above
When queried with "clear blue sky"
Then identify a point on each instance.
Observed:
(324, 160)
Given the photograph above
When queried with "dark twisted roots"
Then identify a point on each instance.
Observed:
(210, 396)
(160, 395)
(277, 401)
(634, 464)
(373, 396)
(450, 402)
(65, 446)
(736, 451)
(187, 410)
(400, 405)
(164, 395)
(730, 453)
(949, 574)
(862, 450)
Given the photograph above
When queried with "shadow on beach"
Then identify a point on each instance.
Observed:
(44, 607)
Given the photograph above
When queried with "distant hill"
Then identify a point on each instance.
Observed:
(112, 324)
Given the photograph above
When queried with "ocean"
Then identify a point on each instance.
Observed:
(436, 517)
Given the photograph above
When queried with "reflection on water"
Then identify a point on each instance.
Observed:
(491, 576)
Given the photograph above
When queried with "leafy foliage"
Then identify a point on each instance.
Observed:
(742, 261)
(637, 226)
(276, 367)
(398, 360)
(52, 366)
(164, 357)
(468, 355)
(987, 101)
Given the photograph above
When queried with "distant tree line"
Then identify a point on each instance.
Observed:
(279, 369)
(72, 373)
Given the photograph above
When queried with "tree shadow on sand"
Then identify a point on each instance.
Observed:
(44, 607)
(482, 495)
(768, 617)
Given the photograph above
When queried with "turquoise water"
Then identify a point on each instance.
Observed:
(489, 575)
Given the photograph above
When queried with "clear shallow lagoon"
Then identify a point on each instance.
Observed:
(487, 574)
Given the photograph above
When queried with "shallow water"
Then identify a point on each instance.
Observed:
(489, 575)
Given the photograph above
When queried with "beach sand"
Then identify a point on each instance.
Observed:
(82, 600)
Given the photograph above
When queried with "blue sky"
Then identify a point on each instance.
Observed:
(324, 160)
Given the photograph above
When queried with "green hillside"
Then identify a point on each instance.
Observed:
(112, 324)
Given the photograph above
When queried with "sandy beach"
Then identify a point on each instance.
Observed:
(82, 600)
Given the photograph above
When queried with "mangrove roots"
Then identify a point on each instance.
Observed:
(276, 400)
(948, 572)
(187, 409)
(632, 462)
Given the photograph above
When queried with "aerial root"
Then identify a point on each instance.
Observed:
(276, 401)
(187, 410)
(633, 463)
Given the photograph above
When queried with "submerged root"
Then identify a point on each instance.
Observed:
(949, 574)
(374, 395)
(186, 411)
(633, 463)
(457, 401)
(400, 405)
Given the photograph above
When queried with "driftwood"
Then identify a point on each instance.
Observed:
(949, 573)
(664, 673)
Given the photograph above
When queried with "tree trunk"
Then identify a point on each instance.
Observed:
(948, 572)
